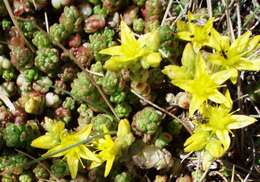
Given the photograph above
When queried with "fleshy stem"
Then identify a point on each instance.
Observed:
(8, 7)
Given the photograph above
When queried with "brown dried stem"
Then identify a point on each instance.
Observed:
(187, 126)
(229, 22)
(209, 7)
(166, 12)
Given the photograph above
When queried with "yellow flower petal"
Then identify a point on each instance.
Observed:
(214, 147)
(181, 26)
(56, 149)
(195, 104)
(224, 137)
(234, 73)
(248, 65)
(197, 141)
(113, 51)
(45, 142)
(217, 97)
(221, 76)
(201, 68)
(208, 26)
(241, 121)
(84, 132)
(107, 135)
(127, 36)
(216, 59)
(109, 165)
(123, 128)
(177, 73)
(150, 41)
(85, 153)
(114, 64)
(197, 46)
(254, 42)
(52, 136)
(241, 43)
(256, 62)
(218, 42)
(228, 103)
(188, 57)
(151, 60)
(185, 35)
(95, 164)
(73, 162)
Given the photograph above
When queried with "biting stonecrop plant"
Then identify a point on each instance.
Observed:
(203, 73)
(100, 150)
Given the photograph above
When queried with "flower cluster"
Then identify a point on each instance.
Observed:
(59, 142)
(203, 75)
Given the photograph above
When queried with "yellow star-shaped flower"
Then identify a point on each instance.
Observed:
(132, 50)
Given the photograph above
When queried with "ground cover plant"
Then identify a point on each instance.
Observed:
(135, 90)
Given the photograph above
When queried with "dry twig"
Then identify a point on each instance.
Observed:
(7, 102)
(166, 12)
(229, 22)
(187, 126)
(209, 7)
(46, 22)
(239, 27)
